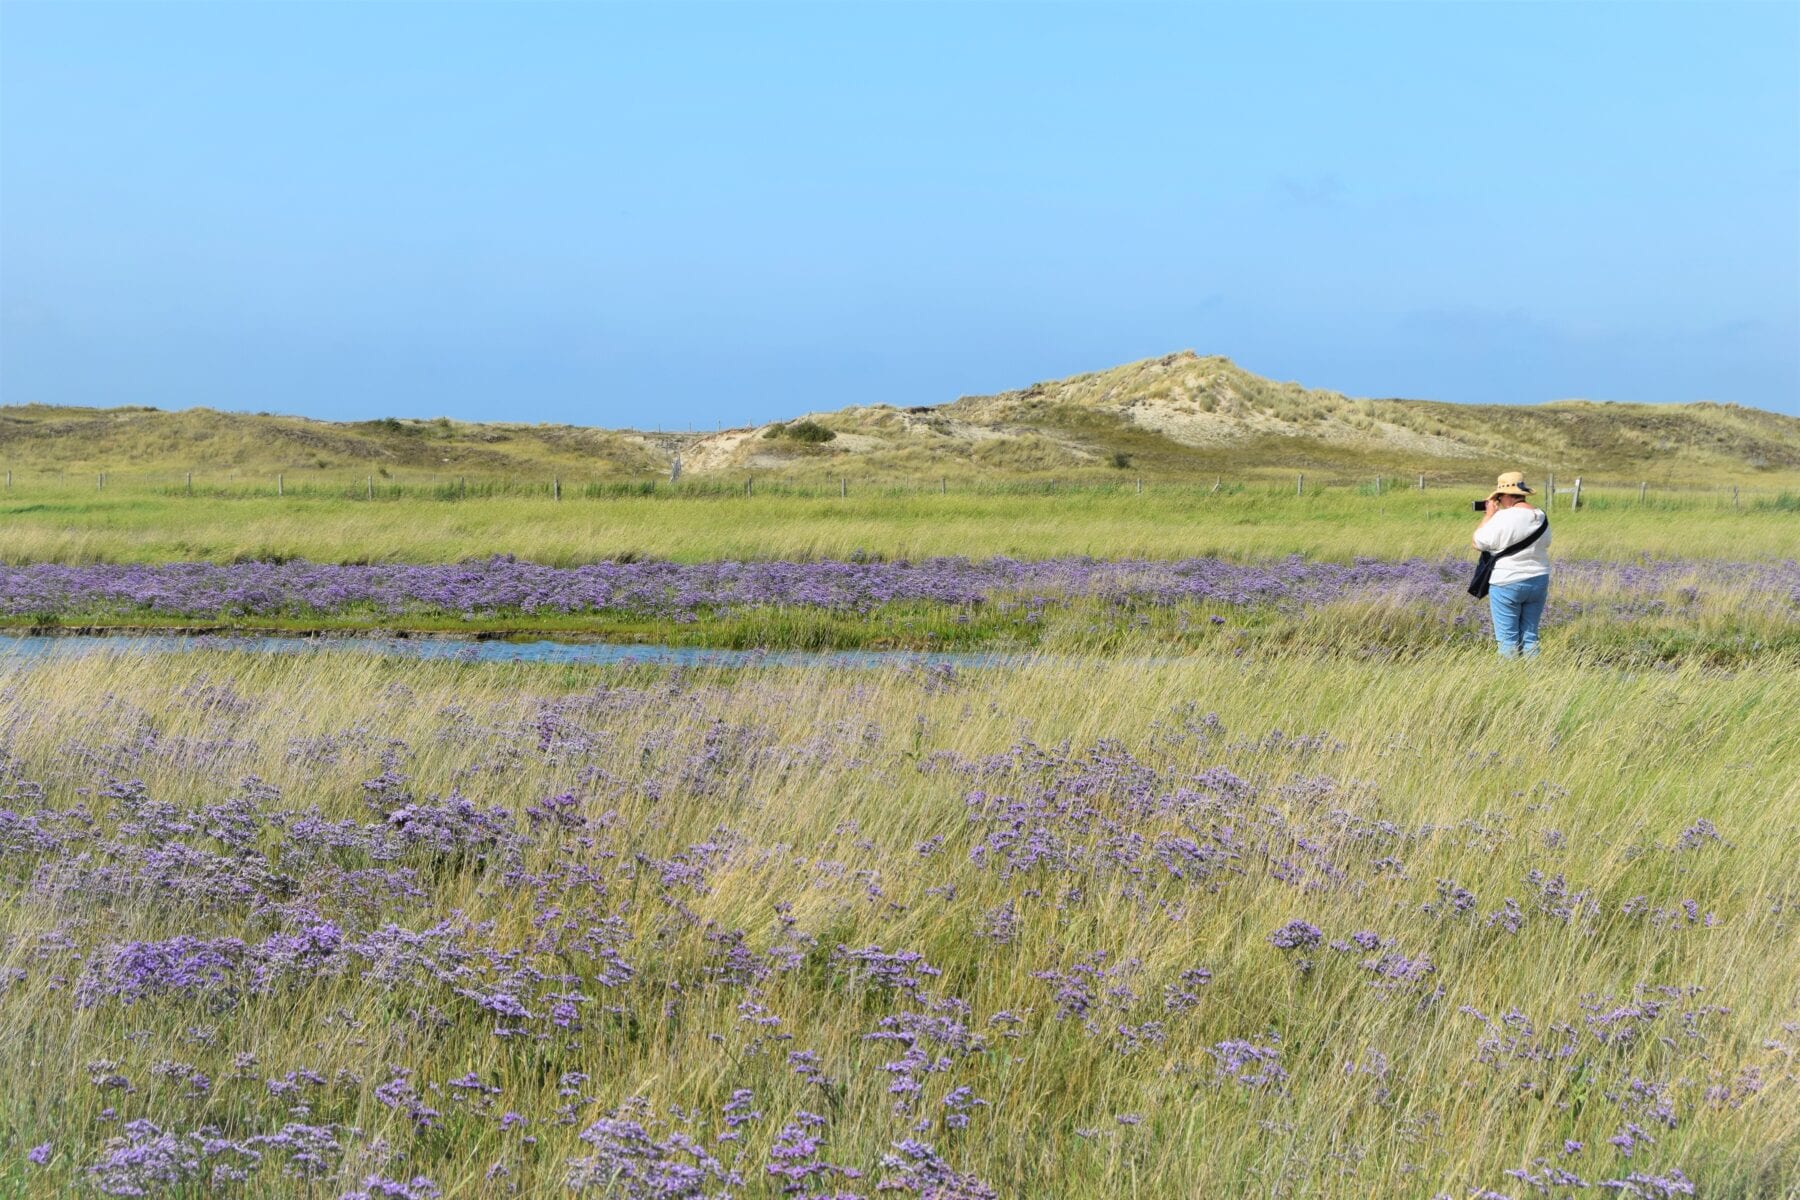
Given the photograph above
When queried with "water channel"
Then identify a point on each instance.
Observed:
(14, 648)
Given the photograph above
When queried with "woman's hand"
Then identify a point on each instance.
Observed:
(1493, 505)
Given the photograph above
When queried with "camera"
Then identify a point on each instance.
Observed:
(1479, 506)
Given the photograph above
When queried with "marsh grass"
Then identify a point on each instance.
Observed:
(828, 792)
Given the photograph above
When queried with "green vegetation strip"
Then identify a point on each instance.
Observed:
(142, 524)
(1358, 629)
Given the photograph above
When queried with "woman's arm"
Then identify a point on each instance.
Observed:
(1496, 532)
(1493, 507)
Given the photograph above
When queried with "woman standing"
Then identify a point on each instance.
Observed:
(1521, 579)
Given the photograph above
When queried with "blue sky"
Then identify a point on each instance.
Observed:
(624, 215)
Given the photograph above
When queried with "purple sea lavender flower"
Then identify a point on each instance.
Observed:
(1184, 993)
(39, 1154)
(1629, 1138)
(962, 1102)
(1090, 984)
(144, 1160)
(501, 1004)
(563, 810)
(627, 1162)
(805, 1064)
(304, 954)
(739, 1111)
(1394, 969)
(1452, 899)
(1249, 1063)
(1296, 935)
(306, 1151)
(999, 925)
(186, 965)
(902, 970)
(1550, 1175)
(795, 1157)
(916, 1167)
(1129, 1039)
(1697, 835)
(399, 1093)
(1655, 1187)
(379, 1187)
(684, 591)
(1509, 917)
(472, 1083)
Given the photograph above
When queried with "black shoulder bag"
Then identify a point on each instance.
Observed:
(1484, 566)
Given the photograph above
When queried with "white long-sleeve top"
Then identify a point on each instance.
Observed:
(1506, 527)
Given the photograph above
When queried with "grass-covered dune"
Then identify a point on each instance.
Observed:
(1225, 926)
(1178, 417)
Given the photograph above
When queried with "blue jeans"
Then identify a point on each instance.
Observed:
(1516, 608)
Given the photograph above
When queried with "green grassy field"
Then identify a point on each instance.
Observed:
(1562, 943)
(128, 523)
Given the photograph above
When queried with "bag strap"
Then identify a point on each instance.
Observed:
(1525, 541)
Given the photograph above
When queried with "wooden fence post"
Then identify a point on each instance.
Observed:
(843, 487)
(1421, 481)
(750, 487)
(1734, 498)
(1549, 493)
(1641, 489)
(279, 489)
(462, 487)
(9, 479)
(943, 485)
(1378, 485)
(190, 485)
(369, 486)
(1300, 485)
(1140, 485)
(1575, 499)
(100, 485)
(555, 487)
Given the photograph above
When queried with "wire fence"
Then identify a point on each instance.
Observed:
(1555, 492)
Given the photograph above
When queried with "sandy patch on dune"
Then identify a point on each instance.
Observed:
(716, 451)
(1191, 425)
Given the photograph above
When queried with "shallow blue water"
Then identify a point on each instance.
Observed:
(14, 648)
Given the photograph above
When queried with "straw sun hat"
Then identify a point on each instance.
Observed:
(1511, 484)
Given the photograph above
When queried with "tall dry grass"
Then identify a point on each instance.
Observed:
(873, 806)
